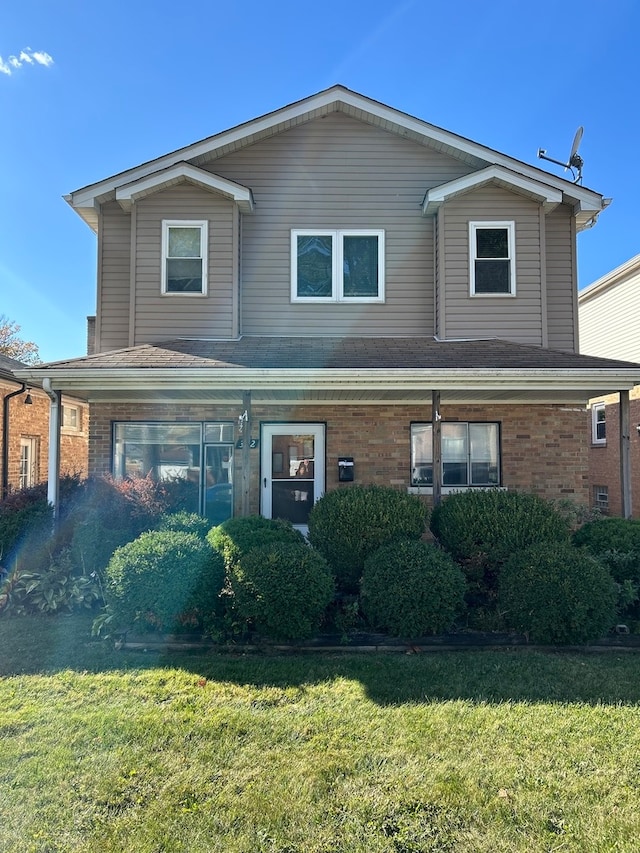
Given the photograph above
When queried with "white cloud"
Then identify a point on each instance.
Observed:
(26, 56)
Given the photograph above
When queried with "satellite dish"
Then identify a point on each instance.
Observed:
(575, 161)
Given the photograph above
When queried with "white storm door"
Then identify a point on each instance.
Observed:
(292, 470)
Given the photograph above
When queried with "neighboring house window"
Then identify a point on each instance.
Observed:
(470, 454)
(492, 258)
(71, 417)
(184, 257)
(28, 462)
(598, 424)
(337, 266)
(601, 497)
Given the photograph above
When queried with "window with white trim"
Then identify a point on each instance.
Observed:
(470, 454)
(601, 497)
(28, 462)
(71, 417)
(337, 266)
(184, 256)
(492, 258)
(598, 424)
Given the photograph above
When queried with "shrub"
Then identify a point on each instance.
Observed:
(616, 541)
(481, 529)
(556, 593)
(235, 536)
(411, 588)
(186, 522)
(161, 576)
(349, 524)
(58, 588)
(282, 589)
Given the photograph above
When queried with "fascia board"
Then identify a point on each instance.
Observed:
(547, 195)
(364, 379)
(127, 194)
(611, 279)
(334, 97)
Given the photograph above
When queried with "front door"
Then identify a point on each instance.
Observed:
(292, 470)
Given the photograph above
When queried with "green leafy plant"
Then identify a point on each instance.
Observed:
(282, 589)
(161, 575)
(237, 536)
(556, 593)
(616, 541)
(186, 522)
(59, 588)
(482, 528)
(411, 588)
(346, 525)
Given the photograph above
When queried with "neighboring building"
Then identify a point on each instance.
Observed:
(24, 445)
(337, 292)
(609, 312)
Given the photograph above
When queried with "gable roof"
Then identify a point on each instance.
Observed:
(586, 204)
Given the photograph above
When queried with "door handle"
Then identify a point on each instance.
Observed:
(265, 482)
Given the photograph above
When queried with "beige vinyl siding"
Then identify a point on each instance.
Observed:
(518, 318)
(335, 172)
(158, 316)
(112, 316)
(609, 320)
(561, 280)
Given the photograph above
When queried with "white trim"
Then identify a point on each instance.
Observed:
(203, 225)
(337, 265)
(510, 228)
(595, 409)
(267, 432)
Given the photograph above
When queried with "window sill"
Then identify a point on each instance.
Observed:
(449, 490)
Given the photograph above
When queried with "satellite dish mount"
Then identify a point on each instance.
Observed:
(575, 161)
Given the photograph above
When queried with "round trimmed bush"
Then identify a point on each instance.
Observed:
(237, 536)
(348, 524)
(616, 541)
(185, 522)
(411, 588)
(556, 593)
(282, 589)
(161, 575)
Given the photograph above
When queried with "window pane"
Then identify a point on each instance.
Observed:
(492, 243)
(483, 441)
(600, 422)
(315, 266)
(360, 266)
(454, 454)
(184, 242)
(184, 276)
(421, 455)
(492, 277)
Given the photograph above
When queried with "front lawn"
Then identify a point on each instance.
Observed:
(468, 751)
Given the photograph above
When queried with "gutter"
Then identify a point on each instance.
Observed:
(53, 477)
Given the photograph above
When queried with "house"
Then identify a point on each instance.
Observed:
(337, 292)
(609, 311)
(24, 448)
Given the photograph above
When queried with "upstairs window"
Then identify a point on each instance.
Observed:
(337, 266)
(470, 454)
(492, 258)
(184, 257)
(598, 424)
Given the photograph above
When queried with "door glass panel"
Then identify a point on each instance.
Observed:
(218, 493)
(293, 490)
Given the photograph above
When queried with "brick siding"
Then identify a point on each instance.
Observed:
(604, 459)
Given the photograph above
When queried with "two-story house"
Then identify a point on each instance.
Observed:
(337, 292)
(609, 312)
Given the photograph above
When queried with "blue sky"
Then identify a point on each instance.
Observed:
(89, 89)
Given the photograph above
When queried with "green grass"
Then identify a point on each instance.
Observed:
(467, 751)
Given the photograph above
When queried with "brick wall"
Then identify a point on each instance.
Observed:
(604, 459)
(544, 447)
(32, 422)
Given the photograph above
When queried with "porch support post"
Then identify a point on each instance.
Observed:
(246, 453)
(625, 454)
(436, 436)
(55, 420)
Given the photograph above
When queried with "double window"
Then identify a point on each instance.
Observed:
(492, 258)
(470, 454)
(337, 266)
(184, 257)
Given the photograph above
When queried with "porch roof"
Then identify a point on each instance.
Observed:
(337, 369)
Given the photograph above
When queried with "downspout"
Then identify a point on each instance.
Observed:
(5, 437)
(53, 477)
